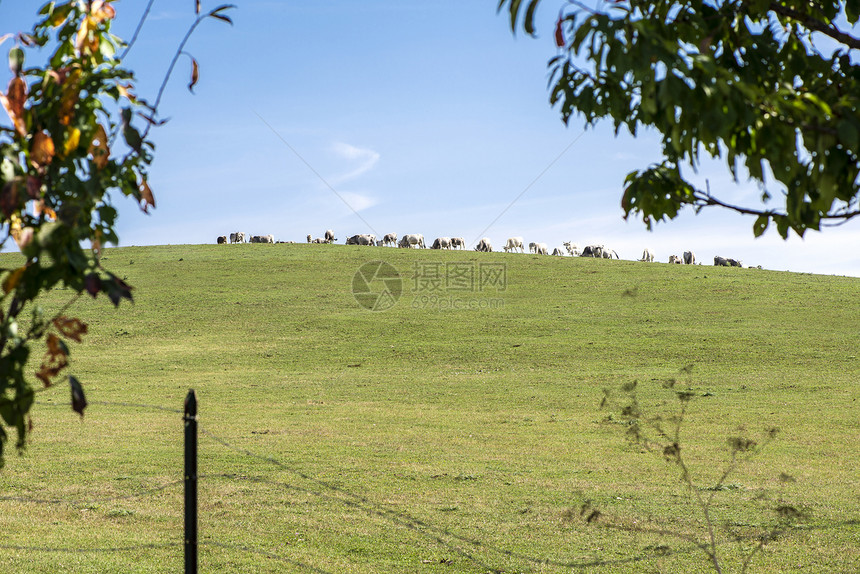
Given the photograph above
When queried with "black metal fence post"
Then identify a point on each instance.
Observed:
(190, 419)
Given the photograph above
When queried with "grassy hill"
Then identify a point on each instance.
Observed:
(457, 431)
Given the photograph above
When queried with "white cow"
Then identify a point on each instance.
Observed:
(689, 258)
(541, 249)
(484, 245)
(362, 239)
(329, 236)
(647, 255)
(389, 239)
(411, 239)
(675, 259)
(727, 262)
(513, 244)
(458, 242)
(442, 243)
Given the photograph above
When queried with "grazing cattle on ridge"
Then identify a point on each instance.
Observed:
(689, 258)
(458, 242)
(532, 247)
(309, 238)
(233, 238)
(571, 248)
(389, 239)
(541, 249)
(329, 236)
(592, 251)
(484, 245)
(647, 255)
(362, 239)
(441, 243)
(411, 239)
(237, 237)
(558, 251)
(734, 262)
(720, 261)
(262, 239)
(222, 239)
(675, 259)
(513, 244)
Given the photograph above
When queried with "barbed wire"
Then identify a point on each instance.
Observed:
(434, 532)
(94, 500)
(332, 492)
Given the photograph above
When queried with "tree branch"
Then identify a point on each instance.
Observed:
(817, 25)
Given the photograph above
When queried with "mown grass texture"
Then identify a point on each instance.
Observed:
(428, 438)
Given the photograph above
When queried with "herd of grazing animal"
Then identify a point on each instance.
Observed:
(512, 245)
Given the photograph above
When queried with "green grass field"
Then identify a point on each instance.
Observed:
(457, 431)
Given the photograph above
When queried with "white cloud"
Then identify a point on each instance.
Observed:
(357, 201)
(363, 159)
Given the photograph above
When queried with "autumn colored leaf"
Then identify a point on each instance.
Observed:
(71, 94)
(42, 150)
(195, 75)
(11, 281)
(56, 359)
(71, 328)
(117, 290)
(40, 208)
(93, 284)
(34, 187)
(99, 148)
(559, 32)
(79, 401)
(73, 138)
(13, 102)
(10, 200)
(102, 10)
(146, 197)
(83, 33)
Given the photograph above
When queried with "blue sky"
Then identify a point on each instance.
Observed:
(399, 116)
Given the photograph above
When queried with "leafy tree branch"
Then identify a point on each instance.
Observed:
(769, 88)
(72, 143)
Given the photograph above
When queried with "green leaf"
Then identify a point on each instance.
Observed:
(852, 11)
(760, 225)
(16, 60)
(529, 21)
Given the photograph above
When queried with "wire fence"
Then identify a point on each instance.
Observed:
(466, 547)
